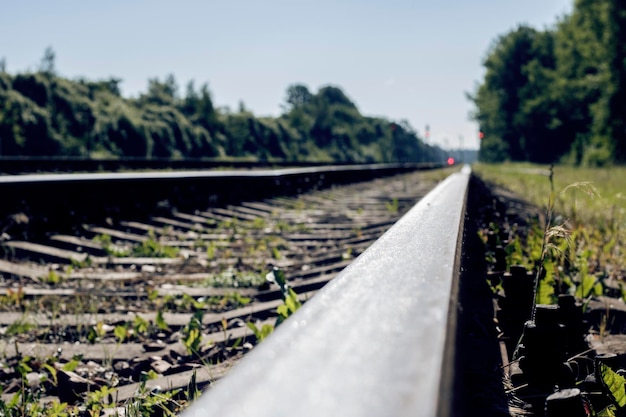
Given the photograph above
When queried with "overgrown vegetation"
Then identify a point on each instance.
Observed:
(559, 93)
(44, 114)
(574, 247)
(585, 233)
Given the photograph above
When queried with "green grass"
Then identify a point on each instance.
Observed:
(589, 213)
(531, 182)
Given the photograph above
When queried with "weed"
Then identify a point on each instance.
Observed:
(558, 251)
(262, 333)
(96, 332)
(108, 246)
(192, 392)
(52, 278)
(210, 251)
(86, 262)
(233, 279)
(259, 223)
(152, 248)
(13, 297)
(231, 300)
(392, 206)
(160, 321)
(21, 326)
(121, 333)
(291, 303)
(99, 400)
(192, 333)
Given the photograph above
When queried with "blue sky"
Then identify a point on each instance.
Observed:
(404, 60)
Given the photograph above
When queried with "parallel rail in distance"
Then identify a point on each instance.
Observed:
(378, 340)
(21, 165)
(56, 197)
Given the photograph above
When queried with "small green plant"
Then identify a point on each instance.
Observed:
(96, 332)
(141, 326)
(72, 365)
(192, 392)
(107, 245)
(291, 303)
(262, 333)
(13, 297)
(121, 333)
(99, 400)
(153, 402)
(210, 251)
(152, 248)
(614, 385)
(556, 239)
(259, 223)
(231, 300)
(53, 278)
(86, 262)
(21, 326)
(231, 278)
(192, 333)
(160, 321)
(392, 206)
(283, 227)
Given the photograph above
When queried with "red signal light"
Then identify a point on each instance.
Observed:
(481, 135)
(451, 161)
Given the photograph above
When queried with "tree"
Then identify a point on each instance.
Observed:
(333, 95)
(47, 62)
(298, 95)
(161, 93)
(616, 94)
(518, 104)
(581, 75)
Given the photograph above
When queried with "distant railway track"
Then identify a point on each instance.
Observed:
(28, 165)
(120, 286)
(58, 199)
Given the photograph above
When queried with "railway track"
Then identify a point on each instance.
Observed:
(134, 304)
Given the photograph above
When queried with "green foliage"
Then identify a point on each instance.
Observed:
(392, 207)
(160, 321)
(192, 333)
(96, 332)
(609, 411)
(44, 114)
(614, 385)
(21, 326)
(557, 93)
(585, 254)
(152, 248)
(53, 277)
(121, 333)
(291, 303)
(230, 278)
(262, 333)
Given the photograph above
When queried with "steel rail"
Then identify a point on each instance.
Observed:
(54, 198)
(378, 340)
(209, 174)
(16, 165)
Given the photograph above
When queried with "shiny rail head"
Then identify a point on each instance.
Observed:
(375, 341)
(208, 174)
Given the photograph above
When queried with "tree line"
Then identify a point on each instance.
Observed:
(44, 114)
(559, 94)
